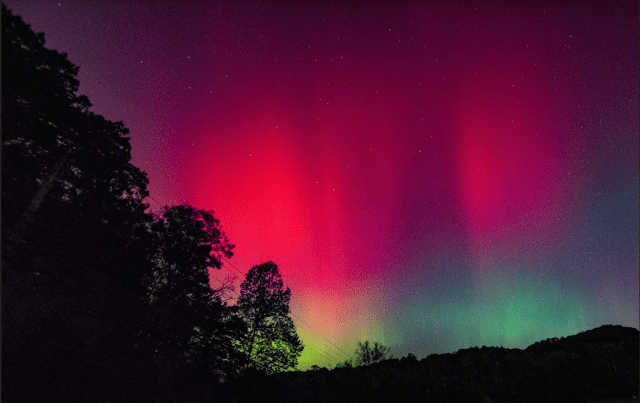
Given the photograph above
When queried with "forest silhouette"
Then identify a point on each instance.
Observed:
(101, 296)
(105, 300)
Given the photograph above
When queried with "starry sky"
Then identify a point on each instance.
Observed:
(434, 176)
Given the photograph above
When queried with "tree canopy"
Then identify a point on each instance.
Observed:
(100, 286)
(271, 341)
(367, 354)
(88, 276)
(66, 172)
(188, 243)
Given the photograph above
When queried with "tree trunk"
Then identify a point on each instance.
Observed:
(17, 235)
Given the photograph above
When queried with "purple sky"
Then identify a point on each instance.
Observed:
(432, 176)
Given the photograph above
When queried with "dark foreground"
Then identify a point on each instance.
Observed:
(599, 365)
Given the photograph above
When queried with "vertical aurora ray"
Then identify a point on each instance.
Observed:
(512, 155)
(515, 183)
(430, 176)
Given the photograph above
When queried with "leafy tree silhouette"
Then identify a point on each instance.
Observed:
(367, 354)
(271, 340)
(66, 172)
(73, 210)
(188, 243)
(348, 363)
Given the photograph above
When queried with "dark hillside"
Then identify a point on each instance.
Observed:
(602, 334)
(600, 364)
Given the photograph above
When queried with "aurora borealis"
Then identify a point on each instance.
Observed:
(432, 176)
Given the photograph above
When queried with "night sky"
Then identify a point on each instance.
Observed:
(434, 176)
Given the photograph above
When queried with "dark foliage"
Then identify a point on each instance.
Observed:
(75, 239)
(66, 172)
(598, 364)
(104, 302)
(271, 341)
(367, 354)
(100, 300)
(187, 242)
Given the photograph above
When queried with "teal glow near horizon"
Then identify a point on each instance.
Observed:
(432, 176)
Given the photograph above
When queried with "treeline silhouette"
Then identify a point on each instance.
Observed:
(598, 365)
(103, 300)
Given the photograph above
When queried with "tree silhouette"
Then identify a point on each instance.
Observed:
(100, 289)
(40, 107)
(606, 371)
(367, 354)
(73, 222)
(66, 172)
(348, 363)
(188, 243)
(271, 341)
